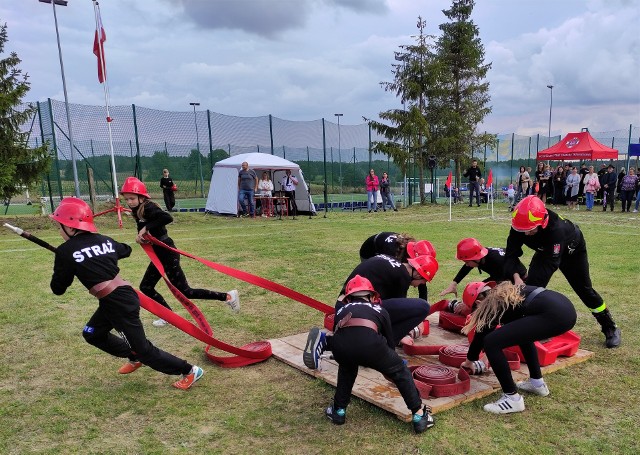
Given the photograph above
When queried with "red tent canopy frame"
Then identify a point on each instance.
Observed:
(578, 146)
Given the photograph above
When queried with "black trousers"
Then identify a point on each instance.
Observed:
(550, 314)
(610, 197)
(474, 186)
(575, 267)
(360, 346)
(120, 310)
(171, 263)
(405, 315)
(291, 198)
(169, 198)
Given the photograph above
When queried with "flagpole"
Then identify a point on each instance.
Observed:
(105, 86)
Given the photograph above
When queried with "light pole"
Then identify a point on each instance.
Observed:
(550, 87)
(66, 98)
(195, 121)
(339, 156)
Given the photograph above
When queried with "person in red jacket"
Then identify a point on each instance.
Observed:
(373, 184)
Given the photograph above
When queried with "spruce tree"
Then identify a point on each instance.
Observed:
(20, 166)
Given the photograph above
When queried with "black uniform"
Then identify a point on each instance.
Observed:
(166, 183)
(493, 264)
(560, 245)
(610, 179)
(390, 278)
(155, 220)
(545, 315)
(386, 243)
(93, 258)
(474, 175)
(355, 346)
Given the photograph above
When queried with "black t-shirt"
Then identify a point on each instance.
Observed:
(166, 183)
(93, 258)
(366, 310)
(388, 276)
(493, 264)
(155, 219)
(382, 243)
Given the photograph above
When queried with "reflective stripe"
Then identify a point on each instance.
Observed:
(600, 309)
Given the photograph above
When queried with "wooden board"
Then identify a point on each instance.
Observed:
(371, 386)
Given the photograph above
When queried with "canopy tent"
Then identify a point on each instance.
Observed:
(578, 146)
(223, 191)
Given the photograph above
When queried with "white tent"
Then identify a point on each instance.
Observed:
(223, 192)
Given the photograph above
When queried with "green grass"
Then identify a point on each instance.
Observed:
(60, 395)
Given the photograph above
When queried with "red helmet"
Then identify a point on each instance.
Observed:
(135, 186)
(75, 213)
(470, 250)
(420, 248)
(529, 214)
(427, 266)
(473, 289)
(359, 286)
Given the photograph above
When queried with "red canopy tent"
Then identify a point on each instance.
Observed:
(578, 146)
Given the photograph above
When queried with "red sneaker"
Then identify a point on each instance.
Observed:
(129, 367)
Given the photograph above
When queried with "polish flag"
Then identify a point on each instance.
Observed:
(448, 184)
(98, 49)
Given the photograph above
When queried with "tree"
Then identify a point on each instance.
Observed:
(409, 133)
(20, 166)
(460, 100)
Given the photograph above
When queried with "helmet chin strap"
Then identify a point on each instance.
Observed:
(64, 228)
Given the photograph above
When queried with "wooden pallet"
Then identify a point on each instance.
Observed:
(371, 386)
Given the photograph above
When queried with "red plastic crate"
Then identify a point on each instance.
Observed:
(565, 345)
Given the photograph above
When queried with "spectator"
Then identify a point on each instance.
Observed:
(530, 190)
(573, 185)
(523, 180)
(601, 173)
(511, 196)
(265, 189)
(373, 185)
(168, 188)
(537, 177)
(583, 171)
(473, 174)
(247, 186)
(545, 187)
(484, 195)
(288, 184)
(591, 187)
(609, 181)
(457, 197)
(621, 175)
(387, 195)
(628, 187)
(559, 179)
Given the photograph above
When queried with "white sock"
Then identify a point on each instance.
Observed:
(537, 382)
(514, 397)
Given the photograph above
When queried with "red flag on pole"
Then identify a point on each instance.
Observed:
(490, 178)
(448, 184)
(98, 49)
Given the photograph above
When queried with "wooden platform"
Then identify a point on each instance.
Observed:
(374, 388)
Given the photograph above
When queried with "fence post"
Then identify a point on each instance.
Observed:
(48, 173)
(55, 148)
(513, 136)
(271, 132)
(210, 143)
(135, 132)
(324, 152)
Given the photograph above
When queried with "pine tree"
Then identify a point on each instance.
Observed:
(460, 100)
(20, 166)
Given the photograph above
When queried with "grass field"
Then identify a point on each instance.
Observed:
(60, 395)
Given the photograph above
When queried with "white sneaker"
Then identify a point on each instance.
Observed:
(527, 386)
(505, 405)
(635, 211)
(159, 323)
(234, 300)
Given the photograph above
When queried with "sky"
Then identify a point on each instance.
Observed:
(309, 59)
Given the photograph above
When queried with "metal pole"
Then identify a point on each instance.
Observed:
(339, 154)
(195, 122)
(66, 98)
(550, 87)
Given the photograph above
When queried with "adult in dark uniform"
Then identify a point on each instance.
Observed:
(489, 260)
(474, 174)
(93, 258)
(363, 337)
(608, 183)
(526, 314)
(399, 246)
(558, 244)
(391, 279)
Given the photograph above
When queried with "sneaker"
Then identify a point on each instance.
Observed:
(613, 336)
(527, 386)
(159, 323)
(424, 421)
(337, 416)
(233, 300)
(189, 379)
(130, 367)
(635, 211)
(316, 344)
(505, 405)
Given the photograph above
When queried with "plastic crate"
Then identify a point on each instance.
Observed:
(565, 345)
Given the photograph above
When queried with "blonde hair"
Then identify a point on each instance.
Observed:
(498, 300)
(140, 210)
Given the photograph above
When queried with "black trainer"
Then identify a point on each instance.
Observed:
(423, 422)
(613, 337)
(337, 416)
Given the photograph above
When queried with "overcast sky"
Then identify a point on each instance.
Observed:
(308, 59)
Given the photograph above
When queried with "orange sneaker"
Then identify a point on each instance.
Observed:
(189, 379)
(129, 367)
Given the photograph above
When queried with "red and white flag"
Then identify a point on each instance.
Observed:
(98, 49)
(490, 178)
(448, 183)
